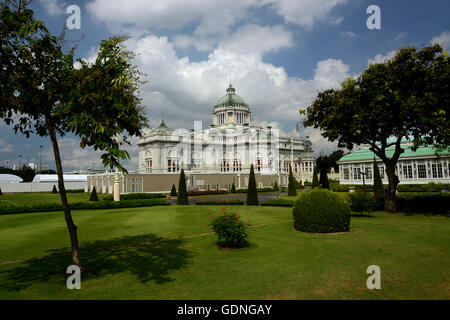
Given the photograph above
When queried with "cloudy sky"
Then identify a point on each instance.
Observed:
(278, 53)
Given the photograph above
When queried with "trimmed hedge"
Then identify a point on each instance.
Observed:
(437, 203)
(339, 188)
(219, 202)
(429, 187)
(266, 189)
(279, 203)
(206, 192)
(321, 211)
(135, 196)
(45, 207)
(75, 191)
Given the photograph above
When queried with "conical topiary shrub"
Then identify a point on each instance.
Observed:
(292, 192)
(93, 196)
(233, 188)
(182, 198)
(252, 193)
(1, 192)
(275, 186)
(315, 182)
(173, 192)
(54, 190)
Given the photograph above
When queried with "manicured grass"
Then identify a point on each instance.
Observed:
(282, 263)
(29, 198)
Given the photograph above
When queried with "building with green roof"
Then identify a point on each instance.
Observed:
(426, 164)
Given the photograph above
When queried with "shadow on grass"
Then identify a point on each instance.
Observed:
(147, 257)
(362, 215)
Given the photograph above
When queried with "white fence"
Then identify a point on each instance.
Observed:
(40, 187)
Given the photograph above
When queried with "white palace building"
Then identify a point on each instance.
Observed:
(216, 157)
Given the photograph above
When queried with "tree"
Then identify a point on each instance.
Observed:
(333, 158)
(275, 186)
(252, 192)
(173, 192)
(54, 190)
(292, 192)
(407, 97)
(323, 164)
(315, 181)
(378, 189)
(42, 93)
(233, 188)
(1, 193)
(93, 196)
(182, 198)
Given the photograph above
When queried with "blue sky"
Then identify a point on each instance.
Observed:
(279, 54)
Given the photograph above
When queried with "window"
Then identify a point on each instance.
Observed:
(381, 168)
(368, 173)
(224, 166)
(148, 164)
(286, 167)
(200, 182)
(258, 165)
(237, 166)
(173, 165)
(436, 168)
(346, 174)
(357, 173)
(422, 171)
(135, 184)
(407, 171)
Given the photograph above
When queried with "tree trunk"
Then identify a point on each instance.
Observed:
(389, 199)
(62, 192)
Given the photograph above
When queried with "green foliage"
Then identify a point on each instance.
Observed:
(362, 201)
(429, 187)
(75, 191)
(220, 202)
(265, 189)
(278, 203)
(275, 186)
(46, 207)
(233, 188)
(230, 230)
(378, 105)
(27, 174)
(292, 192)
(173, 191)
(378, 189)
(315, 182)
(323, 165)
(321, 211)
(438, 203)
(206, 192)
(1, 193)
(182, 198)
(252, 194)
(93, 196)
(339, 188)
(54, 190)
(135, 196)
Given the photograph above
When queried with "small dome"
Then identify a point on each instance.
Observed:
(163, 127)
(230, 98)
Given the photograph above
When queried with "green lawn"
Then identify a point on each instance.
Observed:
(28, 198)
(412, 252)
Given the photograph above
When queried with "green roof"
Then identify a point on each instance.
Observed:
(366, 154)
(230, 98)
(163, 127)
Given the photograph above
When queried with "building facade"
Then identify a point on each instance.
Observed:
(230, 145)
(422, 166)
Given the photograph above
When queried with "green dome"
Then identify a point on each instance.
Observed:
(230, 98)
(163, 127)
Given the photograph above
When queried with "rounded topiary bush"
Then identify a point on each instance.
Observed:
(321, 211)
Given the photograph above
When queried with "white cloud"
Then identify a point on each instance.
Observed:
(348, 34)
(6, 147)
(53, 7)
(307, 12)
(400, 36)
(443, 39)
(379, 58)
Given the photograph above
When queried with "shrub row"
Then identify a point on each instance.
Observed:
(135, 196)
(45, 207)
(279, 203)
(429, 187)
(206, 192)
(437, 203)
(266, 189)
(75, 191)
(220, 202)
(339, 188)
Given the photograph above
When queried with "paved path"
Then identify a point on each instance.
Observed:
(262, 197)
